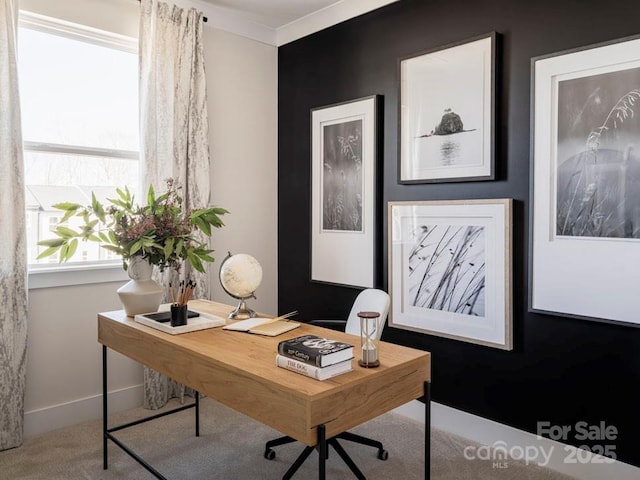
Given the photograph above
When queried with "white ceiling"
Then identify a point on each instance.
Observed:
(277, 22)
(274, 13)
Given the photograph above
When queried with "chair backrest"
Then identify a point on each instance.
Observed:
(369, 300)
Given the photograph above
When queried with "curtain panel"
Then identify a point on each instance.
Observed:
(174, 131)
(13, 254)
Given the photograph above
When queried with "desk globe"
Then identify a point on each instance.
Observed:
(240, 277)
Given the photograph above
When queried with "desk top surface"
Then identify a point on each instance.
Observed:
(255, 354)
(227, 365)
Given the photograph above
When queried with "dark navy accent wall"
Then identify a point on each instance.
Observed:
(561, 370)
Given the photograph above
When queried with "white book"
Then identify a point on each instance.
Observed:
(319, 373)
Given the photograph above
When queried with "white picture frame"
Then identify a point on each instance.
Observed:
(585, 195)
(344, 152)
(447, 113)
(450, 269)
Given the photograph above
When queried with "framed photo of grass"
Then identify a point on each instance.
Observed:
(344, 152)
(446, 111)
(450, 269)
(585, 230)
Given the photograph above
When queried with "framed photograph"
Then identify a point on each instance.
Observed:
(343, 195)
(447, 110)
(585, 232)
(450, 269)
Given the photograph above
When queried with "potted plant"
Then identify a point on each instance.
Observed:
(162, 233)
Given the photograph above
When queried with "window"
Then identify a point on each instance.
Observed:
(79, 101)
(53, 222)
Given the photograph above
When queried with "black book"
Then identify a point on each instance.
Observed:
(315, 350)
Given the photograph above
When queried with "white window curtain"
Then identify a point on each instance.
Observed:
(174, 130)
(13, 254)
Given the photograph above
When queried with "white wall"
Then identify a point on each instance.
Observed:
(64, 382)
(63, 356)
(242, 87)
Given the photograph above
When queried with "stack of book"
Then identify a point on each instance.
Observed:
(314, 356)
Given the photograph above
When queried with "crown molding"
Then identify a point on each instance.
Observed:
(233, 21)
(326, 17)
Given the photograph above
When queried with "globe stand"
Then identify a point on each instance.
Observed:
(240, 275)
(241, 311)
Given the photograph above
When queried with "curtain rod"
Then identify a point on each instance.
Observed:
(204, 19)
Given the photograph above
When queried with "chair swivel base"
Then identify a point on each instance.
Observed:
(270, 454)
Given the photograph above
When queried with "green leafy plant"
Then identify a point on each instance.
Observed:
(162, 231)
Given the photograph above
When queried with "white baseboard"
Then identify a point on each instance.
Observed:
(559, 456)
(78, 411)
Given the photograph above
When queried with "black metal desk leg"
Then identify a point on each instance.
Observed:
(197, 413)
(105, 464)
(107, 433)
(322, 454)
(427, 430)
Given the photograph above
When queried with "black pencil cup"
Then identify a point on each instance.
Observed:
(178, 315)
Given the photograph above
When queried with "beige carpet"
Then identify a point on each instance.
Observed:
(231, 447)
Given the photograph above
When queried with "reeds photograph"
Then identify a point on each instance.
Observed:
(598, 168)
(450, 269)
(344, 156)
(586, 181)
(446, 269)
(342, 181)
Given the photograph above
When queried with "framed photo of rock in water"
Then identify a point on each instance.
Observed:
(344, 157)
(585, 230)
(447, 113)
(450, 269)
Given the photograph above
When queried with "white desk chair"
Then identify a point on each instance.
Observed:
(369, 300)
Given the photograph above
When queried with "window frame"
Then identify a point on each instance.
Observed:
(76, 273)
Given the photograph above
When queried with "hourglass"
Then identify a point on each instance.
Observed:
(369, 325)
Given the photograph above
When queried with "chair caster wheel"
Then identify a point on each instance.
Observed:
(269, 454)
(383, 455)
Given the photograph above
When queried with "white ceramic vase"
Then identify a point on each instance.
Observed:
(141, 294)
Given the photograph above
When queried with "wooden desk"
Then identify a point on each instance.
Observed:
(238, 369)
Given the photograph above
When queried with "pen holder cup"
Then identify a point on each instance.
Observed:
(178, 315)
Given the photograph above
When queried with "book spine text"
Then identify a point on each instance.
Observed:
(306, 356)
(298, 367)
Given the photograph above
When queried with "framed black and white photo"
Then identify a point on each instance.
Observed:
(343, 194)
(450, 269)
(447, 110)
(585, 231)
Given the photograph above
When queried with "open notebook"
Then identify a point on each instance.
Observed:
(262, 326)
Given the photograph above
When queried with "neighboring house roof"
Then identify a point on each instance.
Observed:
(43, 197)
(48, 195)
(30, 201)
